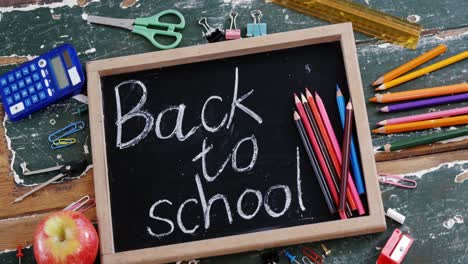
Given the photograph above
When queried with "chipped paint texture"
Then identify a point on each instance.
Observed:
(28, 5)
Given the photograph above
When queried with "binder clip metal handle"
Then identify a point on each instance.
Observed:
(211, 34)
(233, 32)
(256, 28)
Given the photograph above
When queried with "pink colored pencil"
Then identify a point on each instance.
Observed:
(427, 116)
(336, 146)
(315, 146)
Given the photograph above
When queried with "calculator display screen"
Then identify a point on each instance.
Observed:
(59, 71)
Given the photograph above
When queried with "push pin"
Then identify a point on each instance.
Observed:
(19, 255)
(325, 250)
(256, 28)
(211, 34)
(233, 32)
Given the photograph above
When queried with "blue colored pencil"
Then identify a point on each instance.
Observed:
(354, 157)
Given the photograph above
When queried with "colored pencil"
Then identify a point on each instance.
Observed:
(425, 103)
(316, 148)
(426, 70)
(354, 156)
(345, 154)
(413, 126)
(420, 93)
(334, 171)
(426, 116)
(336, 146)
(313, 161)
(425, 140)
(411, 64)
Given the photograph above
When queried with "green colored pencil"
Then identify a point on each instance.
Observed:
(423, 140)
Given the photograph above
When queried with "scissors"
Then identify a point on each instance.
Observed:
(145, 26)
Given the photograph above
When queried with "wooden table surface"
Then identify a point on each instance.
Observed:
(27, 30)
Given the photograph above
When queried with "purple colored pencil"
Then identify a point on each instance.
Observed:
(426, 102)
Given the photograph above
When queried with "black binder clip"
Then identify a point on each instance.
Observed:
(211, 34)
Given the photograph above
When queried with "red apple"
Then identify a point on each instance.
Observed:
(65, 237)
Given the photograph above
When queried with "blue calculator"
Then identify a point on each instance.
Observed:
(40, 82)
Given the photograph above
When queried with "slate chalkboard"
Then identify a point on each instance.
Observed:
(196, 150)
(151, 176)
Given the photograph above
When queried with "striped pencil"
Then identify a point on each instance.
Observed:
(425, 103)
(420, 93)
(420, 125)
(336, 146)
(354, 157)
(424, 140)
(316, 148)
(313, 161)
(411, 64)
(426, 116)
(345, 154)
(325, 145)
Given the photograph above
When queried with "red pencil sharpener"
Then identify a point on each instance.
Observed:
(395, 249)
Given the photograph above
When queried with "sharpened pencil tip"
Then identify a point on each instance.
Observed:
(384, 109)
(381, 87)
(373, 99)
(382, 123)
(378, 81)
(379, 130)
(303, 98)
(349, 105)
(338, 91)
(296, 116)
(296, 98)
(308, 94)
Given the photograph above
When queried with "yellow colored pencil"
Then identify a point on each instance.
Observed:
(420, 93)
(404, 68)
(413, 126)
(418, 73)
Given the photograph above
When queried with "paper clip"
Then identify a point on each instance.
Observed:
(396, 180)
(311, 255)
(68, 130)
(62, 143)
(80, 109)
(83, 204)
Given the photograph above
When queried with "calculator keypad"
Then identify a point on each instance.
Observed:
(24, 88)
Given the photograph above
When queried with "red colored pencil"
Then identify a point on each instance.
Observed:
(326, 120)
(315, 146)
(345, 155)
(327, 142)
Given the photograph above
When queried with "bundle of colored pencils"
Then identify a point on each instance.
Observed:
(329, 163)
(421, 98)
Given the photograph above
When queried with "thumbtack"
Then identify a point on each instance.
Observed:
(211, 34)
(291, 257)
(20, 254)
(233, 32)
(325, 250)
(256, 28)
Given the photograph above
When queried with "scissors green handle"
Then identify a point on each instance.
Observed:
(141, 26)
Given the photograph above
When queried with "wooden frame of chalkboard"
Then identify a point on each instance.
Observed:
(96, 70)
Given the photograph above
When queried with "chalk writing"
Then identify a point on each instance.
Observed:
(241, 155)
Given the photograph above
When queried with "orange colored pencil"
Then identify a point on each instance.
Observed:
(411, 64)
(328, 145)
(420, 93)
(413, 126)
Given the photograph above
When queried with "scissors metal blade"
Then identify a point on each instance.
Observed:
(114, 22)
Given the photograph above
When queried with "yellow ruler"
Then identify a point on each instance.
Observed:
(364, 19)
